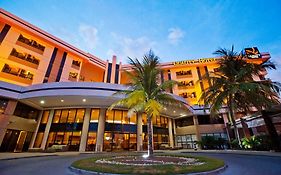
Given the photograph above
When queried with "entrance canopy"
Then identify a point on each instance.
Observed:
(76, 94)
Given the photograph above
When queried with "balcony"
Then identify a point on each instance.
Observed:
(188, 95)
(16, 74)
(72, 76)
(24, 58)
(30, 44)
(76, 64)
(186, 85)
(184, 74)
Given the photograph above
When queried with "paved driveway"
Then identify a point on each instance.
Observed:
(58, 165)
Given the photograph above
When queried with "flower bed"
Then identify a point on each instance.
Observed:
(159, 164)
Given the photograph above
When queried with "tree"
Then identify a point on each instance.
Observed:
(145, 93)
(233, 85)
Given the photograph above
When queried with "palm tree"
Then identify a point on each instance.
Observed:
(233, 86)
(145, 93)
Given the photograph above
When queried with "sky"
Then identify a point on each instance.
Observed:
(174, 30)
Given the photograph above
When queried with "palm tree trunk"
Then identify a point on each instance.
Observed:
(232, 118)
(150, 136)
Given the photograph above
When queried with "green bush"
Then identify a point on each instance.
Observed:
(210, 142)
(251, 143)
(235, 144)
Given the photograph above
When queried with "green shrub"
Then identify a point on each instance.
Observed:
(210, 142)
(235, 144)
(251, 143)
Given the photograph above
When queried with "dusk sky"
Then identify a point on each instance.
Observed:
(174, 30)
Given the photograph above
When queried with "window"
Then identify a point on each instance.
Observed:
(71, 116)
(38, 140)
(186, 141)
(109, 116)
(25, 111)
(144, 119)
(187, 121)
(207, 119)
(63, 117)
(80, 115)
(76, 63)
(118, 117)
(45, 117)
(73, 76)
(91, 142)
(95, 115)
(56, 118)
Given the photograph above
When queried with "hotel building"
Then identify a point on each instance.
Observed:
(54, 95)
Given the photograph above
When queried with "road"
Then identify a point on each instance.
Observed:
(58, 165)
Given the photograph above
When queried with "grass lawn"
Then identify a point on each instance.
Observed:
(91, 165)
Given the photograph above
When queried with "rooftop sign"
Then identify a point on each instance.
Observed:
(201, 60)
(252, 52)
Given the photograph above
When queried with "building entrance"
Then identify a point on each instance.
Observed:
(120, 141)
(16, 141)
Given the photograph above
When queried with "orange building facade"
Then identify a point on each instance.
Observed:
(55, 96)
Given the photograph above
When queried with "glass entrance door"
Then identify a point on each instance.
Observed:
(16, 141)
(120, 141)
(20, 142)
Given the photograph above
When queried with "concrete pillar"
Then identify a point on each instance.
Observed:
(4, 120)
(174, 126)
(36, 130)
(47, 129)
(171, 137)
(85, 130)
(100, 134)
(139, 132)
(196, 124)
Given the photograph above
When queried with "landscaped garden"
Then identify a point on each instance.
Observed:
(136, 163)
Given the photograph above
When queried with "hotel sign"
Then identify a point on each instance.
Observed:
(201, 60)
(252, 53)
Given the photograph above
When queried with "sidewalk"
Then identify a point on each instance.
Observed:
(10, 156)
(243, 152)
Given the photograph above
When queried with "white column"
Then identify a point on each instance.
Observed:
(100, 133)
(170, 128)
(195, 121)
(139, 132)
(36, 130)
(47, 129)
(85, 130)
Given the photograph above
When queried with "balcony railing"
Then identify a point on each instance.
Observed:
(17, 72)
(76, 63)
(183, 74)
(25, 57)
(188, 95)
(31, 43)
(72, 76)
(185, 84)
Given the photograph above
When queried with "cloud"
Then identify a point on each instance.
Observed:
(175, 35)
(130, 47)
(89, 35)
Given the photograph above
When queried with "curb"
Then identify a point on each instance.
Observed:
(86, 172)
(212, 172)
(236, 153)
